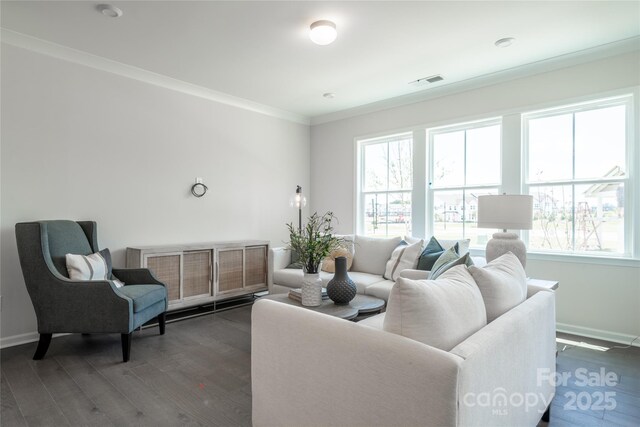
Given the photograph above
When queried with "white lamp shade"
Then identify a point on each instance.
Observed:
(508, 212)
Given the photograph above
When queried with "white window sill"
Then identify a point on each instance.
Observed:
(574, 258)
(585, 259)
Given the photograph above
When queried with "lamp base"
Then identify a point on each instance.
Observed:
(506, 242)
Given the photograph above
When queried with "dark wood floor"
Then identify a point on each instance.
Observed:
(199, 374)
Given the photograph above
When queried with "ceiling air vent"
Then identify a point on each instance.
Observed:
(427, 80)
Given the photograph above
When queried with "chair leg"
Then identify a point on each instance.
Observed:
(547, 415)
(126, 346)
(161, 322)
(43, 346)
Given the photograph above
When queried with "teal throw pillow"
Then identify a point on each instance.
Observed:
(430, 254)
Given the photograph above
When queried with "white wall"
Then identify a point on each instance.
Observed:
(594, 299)
(80, 143)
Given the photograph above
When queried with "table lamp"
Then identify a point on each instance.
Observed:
(509, 212)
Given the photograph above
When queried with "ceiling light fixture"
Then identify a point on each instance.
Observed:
(329, 95)
(109, 10)
(323, 32)
(505, 42)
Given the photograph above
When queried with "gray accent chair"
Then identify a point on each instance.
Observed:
(66, 306)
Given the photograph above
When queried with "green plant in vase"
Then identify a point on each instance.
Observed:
(315, 241)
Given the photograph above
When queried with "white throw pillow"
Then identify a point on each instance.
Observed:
(463, 245)
(441, 313)
(503, 284)
(92, 267)
(403, 257)
(372, 254)
(411, 240)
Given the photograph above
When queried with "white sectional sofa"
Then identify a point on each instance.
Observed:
(310, 369)
(369, 260)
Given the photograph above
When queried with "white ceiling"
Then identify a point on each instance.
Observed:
(260, 51)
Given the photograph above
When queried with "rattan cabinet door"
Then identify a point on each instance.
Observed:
(196, 273)
(166, 268)
(255, 266)
(230, 270)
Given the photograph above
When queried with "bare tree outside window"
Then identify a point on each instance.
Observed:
(577, 178)
(388, 182)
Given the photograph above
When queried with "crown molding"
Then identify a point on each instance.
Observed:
(563, 61)
(94, 61)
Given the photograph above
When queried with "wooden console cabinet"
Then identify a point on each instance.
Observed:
(197, 274)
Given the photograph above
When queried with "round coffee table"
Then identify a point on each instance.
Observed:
(361, 304)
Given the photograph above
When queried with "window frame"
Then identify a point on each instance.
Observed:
(361, 194)
(431, 133)
(626, 100)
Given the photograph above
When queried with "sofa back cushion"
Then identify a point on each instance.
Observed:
(441, 313)
(372, 253)
(503, 284)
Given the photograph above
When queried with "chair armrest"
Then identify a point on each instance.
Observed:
(83, 306)
(414, 274)
(136, 276)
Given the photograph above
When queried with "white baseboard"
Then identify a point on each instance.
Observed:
(582, 331)
(561, 327)
(23, 339)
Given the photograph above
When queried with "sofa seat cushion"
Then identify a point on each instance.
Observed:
(288, 277)
(380, 289)
(441, 313)
(372, 254)
(292, 277)
(363, 280)
(503, 284)
(144, 296)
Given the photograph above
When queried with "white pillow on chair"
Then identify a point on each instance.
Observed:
(92, 267)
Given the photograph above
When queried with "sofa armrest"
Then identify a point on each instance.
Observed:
(414, 274)
(312, 369)
(279, 258)
(513, 356)
(533, 289)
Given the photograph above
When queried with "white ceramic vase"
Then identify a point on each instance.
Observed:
(311, 290)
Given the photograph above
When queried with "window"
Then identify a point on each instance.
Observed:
(576, 169)
(386, 177)
(465, 164)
